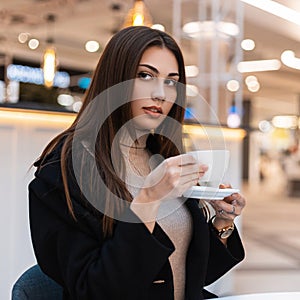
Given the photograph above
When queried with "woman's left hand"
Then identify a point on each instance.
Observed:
(228, 208)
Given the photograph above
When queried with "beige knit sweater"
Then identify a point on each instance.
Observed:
(173, 217)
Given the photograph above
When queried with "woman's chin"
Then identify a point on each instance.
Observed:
(147, 126)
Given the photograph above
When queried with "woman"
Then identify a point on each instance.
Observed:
(106, 213)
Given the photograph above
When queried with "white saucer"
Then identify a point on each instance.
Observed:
(208, 193)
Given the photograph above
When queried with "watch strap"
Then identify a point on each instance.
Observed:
(224, 232)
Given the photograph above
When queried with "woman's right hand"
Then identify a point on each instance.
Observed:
(168, 180)
(172, 178)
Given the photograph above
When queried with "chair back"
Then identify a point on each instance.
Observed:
(34, 284)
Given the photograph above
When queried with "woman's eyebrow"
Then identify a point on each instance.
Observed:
(156, 71)
(173, 74)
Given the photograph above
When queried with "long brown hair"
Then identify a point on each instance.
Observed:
(119, 63)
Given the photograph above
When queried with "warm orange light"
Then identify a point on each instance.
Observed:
(25, 115)
(138, 15)
(138, 20)
(215, 132)
(49, 66)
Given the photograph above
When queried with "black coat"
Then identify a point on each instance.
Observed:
(133, 263)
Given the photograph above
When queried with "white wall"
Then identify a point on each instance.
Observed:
(23, 136)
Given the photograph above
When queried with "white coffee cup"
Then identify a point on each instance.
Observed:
(217, 162)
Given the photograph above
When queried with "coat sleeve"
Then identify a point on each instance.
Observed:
(223, 258)
(85, 263)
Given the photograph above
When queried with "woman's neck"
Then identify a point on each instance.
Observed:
(137, 139)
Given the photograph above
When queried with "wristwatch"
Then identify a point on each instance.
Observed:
(225, 232)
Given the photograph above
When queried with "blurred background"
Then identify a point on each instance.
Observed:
(243, 72)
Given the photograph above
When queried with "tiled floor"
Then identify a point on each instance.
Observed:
(271, 235)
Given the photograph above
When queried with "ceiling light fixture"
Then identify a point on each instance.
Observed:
(191, 71)
(33, 44)
(233, 118)
(233, 85)
(159, 27)
(210, 28)
(92, 46)
(23, 37)
(264, 126)
(250, 79)
(254, 86)
(49, 64)
(252, 83)
(285, 121)
(138, 16)
(259, 65)
(247, 44)
(276, 9)
(192, 90)
(289, 59)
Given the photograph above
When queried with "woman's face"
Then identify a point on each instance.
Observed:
(154, 91)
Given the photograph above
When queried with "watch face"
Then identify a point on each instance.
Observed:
(226, 233)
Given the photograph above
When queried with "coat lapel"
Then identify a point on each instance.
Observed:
(198, 251)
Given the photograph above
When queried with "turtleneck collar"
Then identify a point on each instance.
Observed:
(136, 140)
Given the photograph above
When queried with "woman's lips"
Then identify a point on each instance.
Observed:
(153, 111)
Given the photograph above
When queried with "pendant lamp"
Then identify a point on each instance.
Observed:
(138, 15)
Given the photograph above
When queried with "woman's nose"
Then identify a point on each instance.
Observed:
(158, 92)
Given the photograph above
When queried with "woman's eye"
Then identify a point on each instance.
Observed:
(145, 75)
(171, 82)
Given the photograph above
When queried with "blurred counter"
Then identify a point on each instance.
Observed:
(24, 133)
